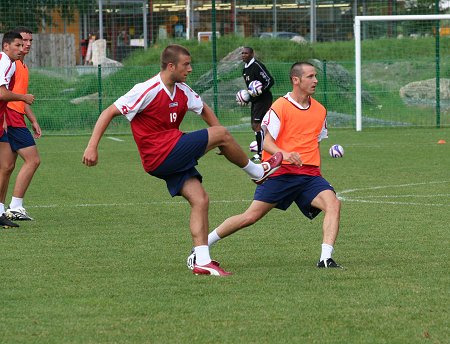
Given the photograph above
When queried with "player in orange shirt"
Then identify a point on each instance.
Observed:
(12, 49)
(294, 125)
(19, 137)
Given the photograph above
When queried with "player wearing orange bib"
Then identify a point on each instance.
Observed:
(19, 137)
(12, 50)
(294, 125)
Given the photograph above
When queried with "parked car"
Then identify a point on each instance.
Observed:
(281, 35)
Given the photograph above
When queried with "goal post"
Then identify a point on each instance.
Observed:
(357, 34)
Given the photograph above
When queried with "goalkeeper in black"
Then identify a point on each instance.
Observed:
(258, 81)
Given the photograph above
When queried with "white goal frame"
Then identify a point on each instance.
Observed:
(357, 30)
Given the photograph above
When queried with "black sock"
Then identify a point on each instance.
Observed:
(259, 140)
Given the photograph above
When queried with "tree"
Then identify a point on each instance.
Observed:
(33, 13)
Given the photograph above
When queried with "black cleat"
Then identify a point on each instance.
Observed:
(190, 261)
(19, 214)
(329, 263)
(7, 223)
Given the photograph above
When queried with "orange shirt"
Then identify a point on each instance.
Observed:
(15, 118)
(299, 129)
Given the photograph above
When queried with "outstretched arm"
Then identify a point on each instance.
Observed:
(90, 157)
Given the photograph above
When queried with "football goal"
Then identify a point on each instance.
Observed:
(401, 58)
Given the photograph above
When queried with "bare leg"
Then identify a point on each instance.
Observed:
(220, 137)
(7, 163)
(256, 126)
(31, 163)
(197, 197)
(331, 206)
(255, 212)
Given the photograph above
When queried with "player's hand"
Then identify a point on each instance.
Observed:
(28, 98)
(37, 130)
(90, 157)
(293, 158)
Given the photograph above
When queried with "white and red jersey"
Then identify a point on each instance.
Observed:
(155, 116)
(7, 69)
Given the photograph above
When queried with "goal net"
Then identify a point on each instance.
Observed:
(402, 70)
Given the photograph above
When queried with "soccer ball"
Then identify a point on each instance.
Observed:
(255, 88)
(253, 146)
(336, 151)
(242, 97)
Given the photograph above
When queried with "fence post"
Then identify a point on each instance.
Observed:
(99, 76)
(214, 57)
(438, 76)
(325, 100)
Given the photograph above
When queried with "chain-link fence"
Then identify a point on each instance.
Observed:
(400, 60)
(129, 25)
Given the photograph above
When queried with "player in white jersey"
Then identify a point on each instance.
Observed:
(12, 46)
(155, 109)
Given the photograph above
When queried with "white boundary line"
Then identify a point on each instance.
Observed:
(114, 138)
(128, 204)
(366, 199)
(340, 195)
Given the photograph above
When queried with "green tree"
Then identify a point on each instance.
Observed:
(414, 7)
(33, 13)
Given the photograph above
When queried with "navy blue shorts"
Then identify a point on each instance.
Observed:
(285, 189)
(180, 164)
(4, 137)
(20, 138)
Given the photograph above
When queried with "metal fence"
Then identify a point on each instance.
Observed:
(399, 60)
(129, 25)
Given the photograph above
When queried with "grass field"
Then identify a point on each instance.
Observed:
(104, 260)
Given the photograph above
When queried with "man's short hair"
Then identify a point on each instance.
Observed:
(9, 37)
(249, 49)
(297, 69)
(171, 54)
(20, 29)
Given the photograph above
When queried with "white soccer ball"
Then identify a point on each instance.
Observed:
(242, 97)
(255, 88)
(336, 151)
(253, 146)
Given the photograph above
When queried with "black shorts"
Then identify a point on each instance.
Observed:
(260, 108)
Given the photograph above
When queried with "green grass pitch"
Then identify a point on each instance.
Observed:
(104, 260)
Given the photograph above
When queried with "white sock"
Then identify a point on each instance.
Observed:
(213, 237)
(16, 202)
(202, 255)
(2, 208)
(255, 171)
(327, 251)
